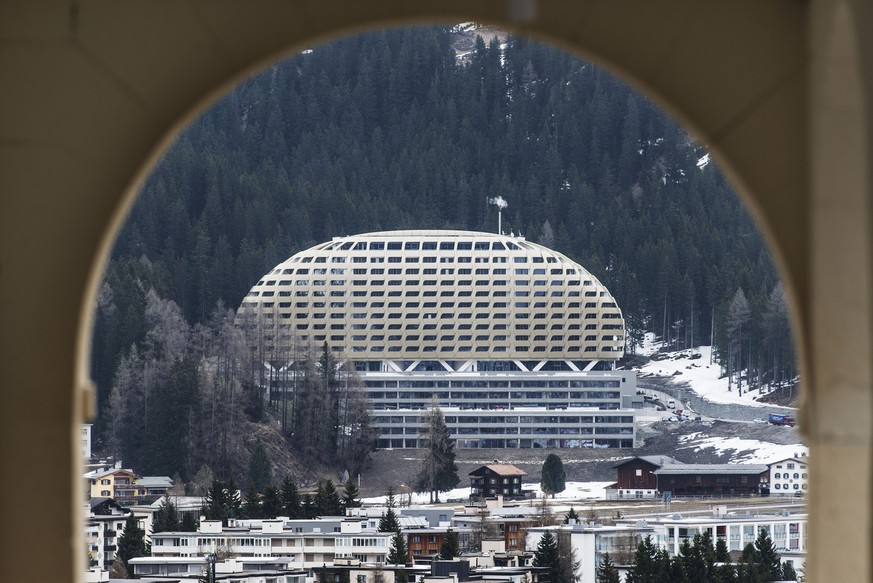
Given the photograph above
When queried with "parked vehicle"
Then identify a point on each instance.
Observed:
(671, 404)
(778, 419)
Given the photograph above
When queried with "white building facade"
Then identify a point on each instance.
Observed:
(301, 543)
(515, 342)
(789, 477)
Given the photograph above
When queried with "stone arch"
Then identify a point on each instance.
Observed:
(93, 92)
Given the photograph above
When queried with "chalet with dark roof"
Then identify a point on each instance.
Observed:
(493, 480)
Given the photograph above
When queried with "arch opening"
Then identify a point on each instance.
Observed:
(665, 325)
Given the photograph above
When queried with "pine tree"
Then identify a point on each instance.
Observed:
(260, 468)
(251, 504)
(571, 516)
(389, 522)
(451, 547)
(547, 555)
(738, 316)
(397, 553)
(222, 502)
(189, 522)
(553, 475)
(327, 501)
(788, 572)
(607, 572)
(166, 519)
(649, 564)
(439, 473)
(722, 554)
(271, 505)
(767, 559)
(290, 498)
(350, 495)
(131, 543)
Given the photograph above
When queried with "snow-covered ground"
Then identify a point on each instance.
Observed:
(574, 491)
(745, 451)
(694, 368)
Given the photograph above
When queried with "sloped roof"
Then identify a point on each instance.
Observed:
(798, 459)
(502, 469)
(712, 469)
(655, 460)
(155, 482)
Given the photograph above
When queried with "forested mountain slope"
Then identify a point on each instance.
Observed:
(390, 130)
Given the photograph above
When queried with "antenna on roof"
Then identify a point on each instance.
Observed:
(501, 204)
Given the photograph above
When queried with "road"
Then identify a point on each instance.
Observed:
(680, 392)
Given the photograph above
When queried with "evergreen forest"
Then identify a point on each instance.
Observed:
(397, 129)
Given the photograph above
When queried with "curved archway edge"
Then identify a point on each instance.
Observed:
(93, 93)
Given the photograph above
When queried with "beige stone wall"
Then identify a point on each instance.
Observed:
(92, 91)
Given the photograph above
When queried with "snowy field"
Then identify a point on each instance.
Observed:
(742, 451)
(581, 491)
(701, 376)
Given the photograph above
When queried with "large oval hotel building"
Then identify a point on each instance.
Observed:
(515, 342)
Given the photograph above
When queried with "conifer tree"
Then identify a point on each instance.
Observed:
(166, 519)
(389, 522)
(189, 522)
(307, 507)
(767, 559)
(788, 572)
(327, 501)
(607, 572)
(547, 555)
(260, 468)
(553, 475)
(290, 498)
(271, 504)
(397, 553)
(131, 543)
(350, 495)
(251, 504)
(439, 473)
(648, 565)
(572, 515)
(451, 547)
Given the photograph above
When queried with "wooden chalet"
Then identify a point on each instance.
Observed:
(712, 479)
(494, 480)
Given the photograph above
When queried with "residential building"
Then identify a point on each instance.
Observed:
(721, 480)
(515, 342)
(124, 485)
(591, 542)
(104, 524)
(496, 522)
(636, 478)
(234, 570)
(86, 441)
(787, 530)
(493, 480)
(789, 477)
(649, 476)
(303, 543)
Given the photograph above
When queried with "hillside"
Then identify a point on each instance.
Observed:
(690, 442)
(392, 130)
